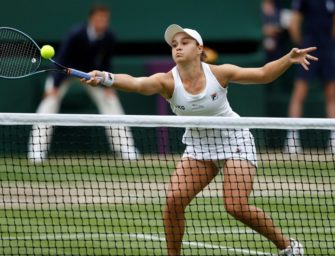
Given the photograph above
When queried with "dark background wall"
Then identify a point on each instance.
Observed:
(232, 27)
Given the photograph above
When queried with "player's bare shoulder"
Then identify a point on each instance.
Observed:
(222, 68)
(221, 72)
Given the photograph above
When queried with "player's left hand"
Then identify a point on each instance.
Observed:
(302, 56)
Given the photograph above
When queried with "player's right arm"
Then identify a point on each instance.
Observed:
(142, 85)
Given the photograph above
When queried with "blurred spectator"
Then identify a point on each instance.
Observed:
(272, 29)
(313, 24)
(275, 17)
(87, 46)
(211, 55)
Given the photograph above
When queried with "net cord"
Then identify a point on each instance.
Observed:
(166, 121)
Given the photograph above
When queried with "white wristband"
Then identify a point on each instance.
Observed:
(108, 79)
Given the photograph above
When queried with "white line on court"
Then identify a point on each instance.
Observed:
(202, 245)
(145, 237)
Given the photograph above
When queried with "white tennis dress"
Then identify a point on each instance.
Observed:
(210, 144)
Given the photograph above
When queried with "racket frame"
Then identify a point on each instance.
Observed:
(62, 69)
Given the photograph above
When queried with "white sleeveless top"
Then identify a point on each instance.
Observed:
(210, 144)
(212, 101)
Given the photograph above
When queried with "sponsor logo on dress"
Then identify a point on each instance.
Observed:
(197, 106)
(214, 96)
(181, 107)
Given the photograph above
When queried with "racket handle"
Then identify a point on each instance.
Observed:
(77, 73)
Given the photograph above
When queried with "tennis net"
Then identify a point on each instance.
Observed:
(83, 193)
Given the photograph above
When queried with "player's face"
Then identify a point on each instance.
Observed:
(184, 48)
(100, 21)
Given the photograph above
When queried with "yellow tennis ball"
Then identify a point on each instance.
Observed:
(47, 51)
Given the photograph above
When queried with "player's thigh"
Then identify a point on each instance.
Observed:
(190, 177)
(238, 179)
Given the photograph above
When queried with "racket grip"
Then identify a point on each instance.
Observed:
(77, 73)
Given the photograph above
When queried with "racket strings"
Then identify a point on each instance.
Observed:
(19, 55)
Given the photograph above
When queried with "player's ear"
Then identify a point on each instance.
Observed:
(200, 49)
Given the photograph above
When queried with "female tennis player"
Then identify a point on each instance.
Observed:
(193, 87)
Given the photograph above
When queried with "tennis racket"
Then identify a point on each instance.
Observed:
(20, 57)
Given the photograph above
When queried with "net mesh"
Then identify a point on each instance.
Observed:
(87, 191)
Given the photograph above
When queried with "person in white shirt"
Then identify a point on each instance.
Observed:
(193, 87)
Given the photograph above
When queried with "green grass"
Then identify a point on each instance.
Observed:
(135, 227)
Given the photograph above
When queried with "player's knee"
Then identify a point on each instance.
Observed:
(236, 209)
(176, 203)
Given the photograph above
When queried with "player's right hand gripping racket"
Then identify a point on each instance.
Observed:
(20, 56)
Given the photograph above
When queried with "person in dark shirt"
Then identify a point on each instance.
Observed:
(272, 29)
(313, 22)
(87, 46)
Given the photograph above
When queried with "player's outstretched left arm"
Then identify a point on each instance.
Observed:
(271, 71)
